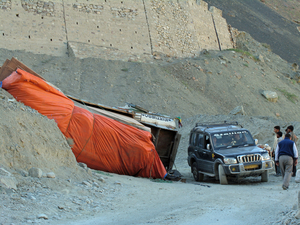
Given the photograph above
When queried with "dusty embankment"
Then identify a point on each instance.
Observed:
(213, 83)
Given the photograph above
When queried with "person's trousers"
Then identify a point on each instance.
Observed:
(286, 166)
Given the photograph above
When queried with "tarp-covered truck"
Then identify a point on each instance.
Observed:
(163, 128)
(100, 141)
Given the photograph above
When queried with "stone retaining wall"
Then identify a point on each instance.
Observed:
(112, 29)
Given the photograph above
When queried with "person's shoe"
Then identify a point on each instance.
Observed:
(284, 187)
(293, 175)
(278, 174)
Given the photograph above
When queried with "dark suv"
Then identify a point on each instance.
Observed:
(224, 150)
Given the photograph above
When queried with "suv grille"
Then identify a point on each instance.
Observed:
(249, 158)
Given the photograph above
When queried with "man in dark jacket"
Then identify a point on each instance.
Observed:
(294, 138)
(286, 155)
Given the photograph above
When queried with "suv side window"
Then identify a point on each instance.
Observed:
(193, 139)
(207, 141)
(200, 140)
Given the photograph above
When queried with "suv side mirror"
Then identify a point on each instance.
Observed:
(208, 146)
(256, 141)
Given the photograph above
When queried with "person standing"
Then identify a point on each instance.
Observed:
(179, 121)
(279, 136)
(294, 138)
(276, 130)
(286, 155)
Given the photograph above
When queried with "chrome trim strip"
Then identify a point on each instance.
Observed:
(245, 172)
(249, 158)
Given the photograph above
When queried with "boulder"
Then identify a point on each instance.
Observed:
(297, 216)
(297, 178)
(42, 216)
(204, 52)
(270, 95)
(238, 110)
(261, 58)
(22, 172)
(35, 172)
(4, 172)
(296, 76)
(50, 175)
(295, 66)
(83, 165)
(8, 182)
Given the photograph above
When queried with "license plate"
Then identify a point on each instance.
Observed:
(251, 167)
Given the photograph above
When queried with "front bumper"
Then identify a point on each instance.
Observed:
(248, 169)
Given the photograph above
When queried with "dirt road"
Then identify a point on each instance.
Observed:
(142, 201)
(247, 201)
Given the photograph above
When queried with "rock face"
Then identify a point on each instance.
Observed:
(297, 179)
(4, 172)
(270, 95)
(297, 216)
(7, 180)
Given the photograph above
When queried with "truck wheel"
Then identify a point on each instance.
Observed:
(197, 176)
(265, 176)
(222, 175)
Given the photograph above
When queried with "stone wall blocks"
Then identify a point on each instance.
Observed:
(173, 27)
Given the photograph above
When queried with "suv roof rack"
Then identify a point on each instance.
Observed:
(216, 124)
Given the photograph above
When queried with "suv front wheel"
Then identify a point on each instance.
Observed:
(197, 176)
(265, 176)
(222, 175)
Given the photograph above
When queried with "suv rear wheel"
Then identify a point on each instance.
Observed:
(197, 176)
(222, 175)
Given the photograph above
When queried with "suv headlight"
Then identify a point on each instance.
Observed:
(265, 156)
(230, 160)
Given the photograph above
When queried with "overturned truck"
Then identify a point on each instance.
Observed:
(103, 139)
(164, 131)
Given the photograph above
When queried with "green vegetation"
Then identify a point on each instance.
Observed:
(185, 84)
(293, 98)
(125, 69)
(103, 173)
(161, 181)
(245, 64)
(266, 46)
(246, 53)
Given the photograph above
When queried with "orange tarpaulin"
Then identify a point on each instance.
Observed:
(100, 142)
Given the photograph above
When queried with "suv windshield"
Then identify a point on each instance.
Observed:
(229, 139)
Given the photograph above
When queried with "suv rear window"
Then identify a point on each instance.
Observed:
(229, 139)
